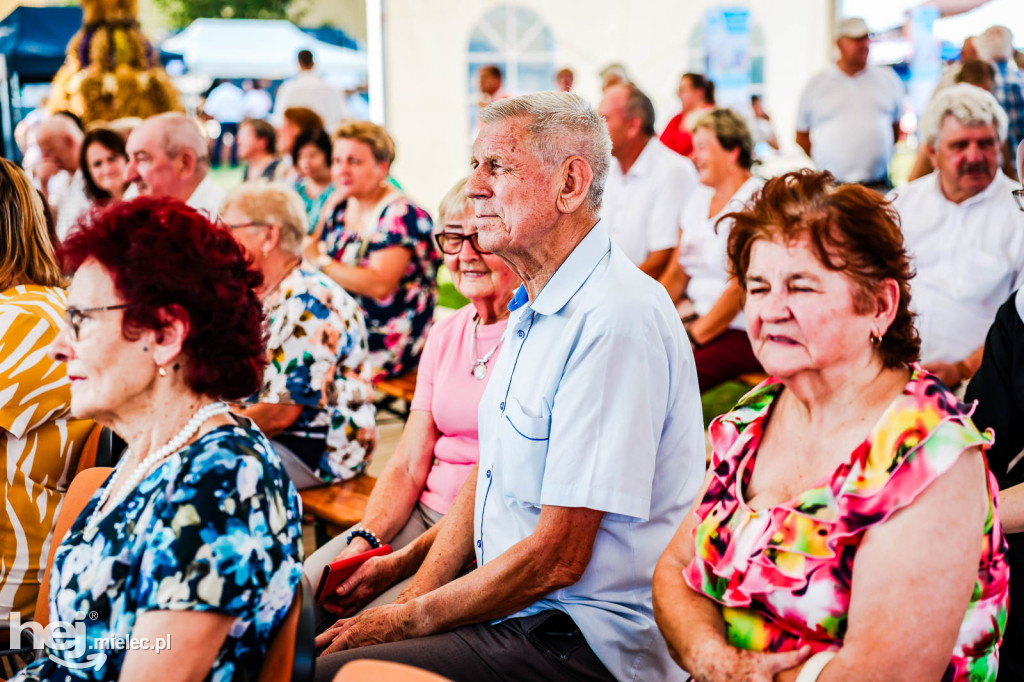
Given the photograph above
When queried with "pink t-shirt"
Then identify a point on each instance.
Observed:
(446, 387)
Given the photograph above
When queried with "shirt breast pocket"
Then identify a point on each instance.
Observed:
(979, 276)
(525, 444)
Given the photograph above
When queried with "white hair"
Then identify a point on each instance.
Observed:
(561, 125)
(995, 44)
(969, 104)
(273, 203)
(179, 132)
(59, 124)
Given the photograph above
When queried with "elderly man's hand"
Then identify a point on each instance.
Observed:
(368, 581)
(375, 626)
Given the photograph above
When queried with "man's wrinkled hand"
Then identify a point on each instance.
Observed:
(374, 626)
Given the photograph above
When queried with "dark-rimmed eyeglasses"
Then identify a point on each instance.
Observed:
(74, 316)
(1018, 195)
(451, 242)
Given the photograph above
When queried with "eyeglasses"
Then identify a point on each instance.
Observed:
(238, 226)
(74, 316)
(1018, 194)
(451, 242)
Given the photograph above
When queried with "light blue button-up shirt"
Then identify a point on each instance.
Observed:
(593, 402)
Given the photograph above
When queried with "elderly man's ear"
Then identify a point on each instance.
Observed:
(186, 163)
(576, 179)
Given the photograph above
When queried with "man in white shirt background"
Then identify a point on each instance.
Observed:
(60, 143)
(309, 90)
(848, 117)
(648, 184)
(962, 231)
(226, 104)
(167, 156)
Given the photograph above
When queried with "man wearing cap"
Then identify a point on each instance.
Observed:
(998, 386)
(848, 118)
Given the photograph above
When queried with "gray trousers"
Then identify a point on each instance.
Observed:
(544, 647)
(422, 519)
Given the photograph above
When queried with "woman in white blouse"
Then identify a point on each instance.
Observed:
(697, 279)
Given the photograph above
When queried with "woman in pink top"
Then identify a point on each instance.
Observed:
(439, 446)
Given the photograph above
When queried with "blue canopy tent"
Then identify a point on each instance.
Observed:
(33, 41)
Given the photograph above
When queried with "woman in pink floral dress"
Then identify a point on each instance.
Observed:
(847, 528)
(378, 245)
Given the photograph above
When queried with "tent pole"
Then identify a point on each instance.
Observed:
(375, 61)
(6, 118)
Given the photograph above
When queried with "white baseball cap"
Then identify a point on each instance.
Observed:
(853, 27)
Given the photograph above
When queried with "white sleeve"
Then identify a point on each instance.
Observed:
(664, 217)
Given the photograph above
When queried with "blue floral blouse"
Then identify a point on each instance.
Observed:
(318, 359)
(216, 528)
(397, 324)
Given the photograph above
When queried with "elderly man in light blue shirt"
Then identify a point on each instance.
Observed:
(591, 442)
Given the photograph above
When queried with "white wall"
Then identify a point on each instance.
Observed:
(426, 67)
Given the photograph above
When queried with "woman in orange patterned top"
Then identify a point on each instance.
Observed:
(39, 442)
(847, 528)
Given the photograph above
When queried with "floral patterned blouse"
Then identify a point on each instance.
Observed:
(216, 527)
(397, 324)
(318, 359)
(783, 575)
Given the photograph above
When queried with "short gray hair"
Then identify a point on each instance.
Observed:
(561, 124)
(275, 204)
(179, 133)
(969, 104)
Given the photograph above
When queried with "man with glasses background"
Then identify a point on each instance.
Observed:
(998, 387)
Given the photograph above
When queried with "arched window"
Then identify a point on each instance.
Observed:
(517, 41)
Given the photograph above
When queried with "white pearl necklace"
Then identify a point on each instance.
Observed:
(172, 446)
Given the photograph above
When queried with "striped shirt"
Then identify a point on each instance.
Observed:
(39, 442)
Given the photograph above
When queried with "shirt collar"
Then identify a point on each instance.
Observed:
(571, 274)
(644, 162)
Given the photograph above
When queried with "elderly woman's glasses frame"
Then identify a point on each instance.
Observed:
(239, 226)
(73, 316)
(451, 242)
(1018, 195)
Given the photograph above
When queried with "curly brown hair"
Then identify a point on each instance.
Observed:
(851, 229)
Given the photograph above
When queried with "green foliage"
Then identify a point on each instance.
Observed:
(181, 13)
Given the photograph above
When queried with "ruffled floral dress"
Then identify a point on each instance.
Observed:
(783, 575)
(397, 324)
(215, 528)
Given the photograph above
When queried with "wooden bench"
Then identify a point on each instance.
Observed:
(400, 389)
(752, 379)
(337, 506)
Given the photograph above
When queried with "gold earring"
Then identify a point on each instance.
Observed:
(875, 339)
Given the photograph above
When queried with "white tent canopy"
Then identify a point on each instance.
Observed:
(255, 48)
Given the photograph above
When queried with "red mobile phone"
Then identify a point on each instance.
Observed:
(334, 574)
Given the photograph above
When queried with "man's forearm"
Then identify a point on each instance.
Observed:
(452, 546)
(554, 556)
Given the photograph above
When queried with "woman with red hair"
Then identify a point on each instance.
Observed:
(196, 537)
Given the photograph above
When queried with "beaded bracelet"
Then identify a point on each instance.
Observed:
(364, 534)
